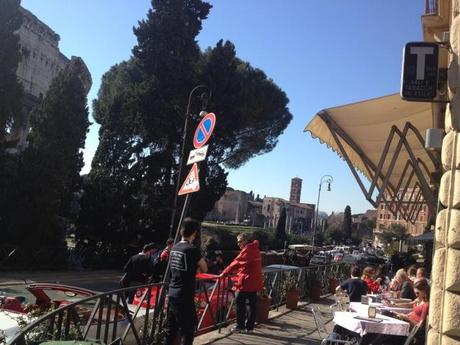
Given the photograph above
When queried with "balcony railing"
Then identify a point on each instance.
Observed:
(431, 7)
(107, 318)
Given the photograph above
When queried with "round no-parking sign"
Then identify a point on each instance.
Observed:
(204, 130)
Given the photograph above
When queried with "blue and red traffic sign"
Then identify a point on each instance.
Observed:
(204, 130)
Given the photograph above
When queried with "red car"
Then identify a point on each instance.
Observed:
(16, 301)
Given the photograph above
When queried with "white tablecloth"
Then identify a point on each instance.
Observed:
(389, 325)
(362, 308)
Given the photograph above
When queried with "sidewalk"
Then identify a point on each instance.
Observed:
(284, 327)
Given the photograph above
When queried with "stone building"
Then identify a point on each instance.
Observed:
(385, 217)
(398, 154)
(443, 16)
(41, 61)
(232, 207)
(298, 215)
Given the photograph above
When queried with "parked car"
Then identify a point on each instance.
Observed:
(18, 303)
(338, 257)
(350, 259)
(319, 260)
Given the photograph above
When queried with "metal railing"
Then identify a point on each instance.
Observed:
(108, 318)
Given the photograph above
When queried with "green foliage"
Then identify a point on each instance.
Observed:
(266, 238)
(141, 107)
(289, 283)
(334, 234)
(48, 172)
(395, 232)
(222, 239)
(347, 221)
(281, 226)
(10, 88)
(319, 239)
(298, 239)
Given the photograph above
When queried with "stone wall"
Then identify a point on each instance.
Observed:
(41, 59)
(444, 316)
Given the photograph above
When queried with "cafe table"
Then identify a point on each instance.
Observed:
(379, 330)
(362, 308)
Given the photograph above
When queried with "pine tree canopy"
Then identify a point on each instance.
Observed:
(141, 108)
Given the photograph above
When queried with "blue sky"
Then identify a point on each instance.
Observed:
(322, 53)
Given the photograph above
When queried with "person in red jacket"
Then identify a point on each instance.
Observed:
(368, 277)
(248, 269)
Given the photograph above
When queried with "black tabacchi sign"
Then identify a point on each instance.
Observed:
(420, 71)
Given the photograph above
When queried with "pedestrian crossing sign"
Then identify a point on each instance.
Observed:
(192, 182)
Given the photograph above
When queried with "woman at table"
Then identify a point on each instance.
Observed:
(382, 277)
(373, 286)
(421, 274)
(412, 273)
(419, 306)
(402, 285)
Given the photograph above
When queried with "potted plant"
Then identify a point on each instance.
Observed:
(334, 281)
(315, 289)
(263, 306)
(291, 289)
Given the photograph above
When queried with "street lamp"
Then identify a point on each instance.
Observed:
(205, 95)
(324, 179)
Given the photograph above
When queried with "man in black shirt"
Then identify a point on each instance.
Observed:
(184, 260)
(138, 269)
(354, 287)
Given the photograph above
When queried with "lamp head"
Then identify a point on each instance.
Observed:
(203, 113)
(328, 186)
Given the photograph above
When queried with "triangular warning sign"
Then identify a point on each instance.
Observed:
(191, 183)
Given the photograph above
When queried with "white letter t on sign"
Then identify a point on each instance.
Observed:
(421, 52)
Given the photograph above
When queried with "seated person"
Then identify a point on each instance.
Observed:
(354, 287)
(411, 273)
(382, 278)
(421, 274)
(420, 305)
(368, 276)
(402, 285)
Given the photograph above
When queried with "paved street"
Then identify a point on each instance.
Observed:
(105, 280)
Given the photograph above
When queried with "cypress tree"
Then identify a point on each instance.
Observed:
(347, 224)
(49, 170)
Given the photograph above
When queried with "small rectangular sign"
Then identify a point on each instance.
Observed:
(197, 155)
(419, 79)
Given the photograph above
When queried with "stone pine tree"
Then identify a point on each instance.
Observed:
(346, 228)
(10, 88)
(49, 171)
(281, 227)
(141, 107)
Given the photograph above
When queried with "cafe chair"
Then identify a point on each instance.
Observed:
(319, 321)
(331, 338)
(412, 335)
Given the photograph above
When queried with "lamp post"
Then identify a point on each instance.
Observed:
(324, 179)
(205, 95)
